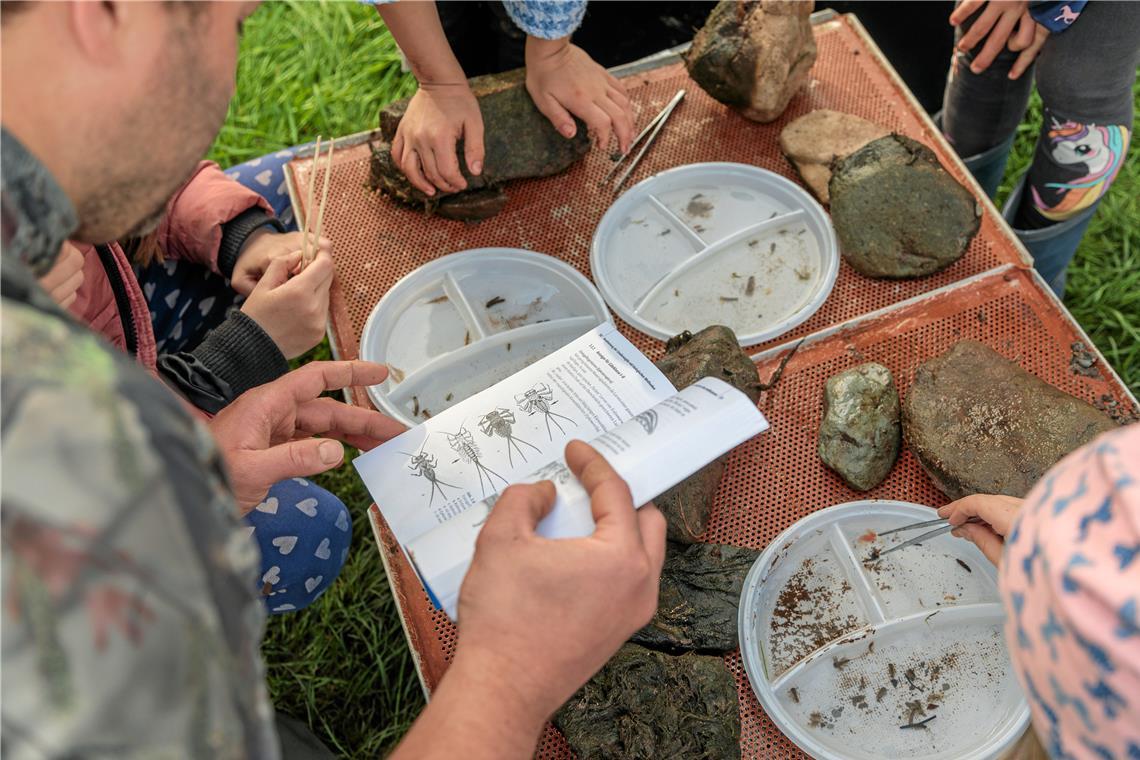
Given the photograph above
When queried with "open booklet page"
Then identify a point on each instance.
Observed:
(653, 452)
(439, 469)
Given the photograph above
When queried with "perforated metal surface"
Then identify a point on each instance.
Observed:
(377, 242)
(777, 479)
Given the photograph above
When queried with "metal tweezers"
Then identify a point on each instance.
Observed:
(651, 129)
(944, 526)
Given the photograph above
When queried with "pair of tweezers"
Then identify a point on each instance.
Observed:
(651, 129)
(944, 526)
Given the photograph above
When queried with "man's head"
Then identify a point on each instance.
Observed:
(120, 100)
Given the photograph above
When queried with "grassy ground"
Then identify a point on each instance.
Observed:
(315, 68)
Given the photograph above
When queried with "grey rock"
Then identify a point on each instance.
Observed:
(860, 433)
(646, 705)
(897, 212)
(754, 56)
(699, 597)
(713, 352)
(979, 423)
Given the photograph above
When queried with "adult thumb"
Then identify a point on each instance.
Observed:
(296, 459)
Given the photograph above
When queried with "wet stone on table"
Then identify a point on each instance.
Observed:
(897, 212)
(814, 141)
(713, 352)
(860, 433)
(699, 597)
(519, 142)
(754, 56)
(649, 705)
(979, 423)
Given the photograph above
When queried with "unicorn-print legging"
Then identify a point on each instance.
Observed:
(1084, 74)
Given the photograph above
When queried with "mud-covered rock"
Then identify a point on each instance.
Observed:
(754, 56)
(813, 142)
(518, 142)
(713, 352)
(699, 597)
(648, 705)
(897, 212)
(979, 423)
(860, 432)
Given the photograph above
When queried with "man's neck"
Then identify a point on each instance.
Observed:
(37, 216)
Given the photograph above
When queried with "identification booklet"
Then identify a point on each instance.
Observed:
(437, 483)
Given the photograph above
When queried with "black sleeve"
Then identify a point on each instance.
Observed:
(235, 232)
(234, 357)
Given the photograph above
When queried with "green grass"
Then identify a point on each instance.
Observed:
(313, 68)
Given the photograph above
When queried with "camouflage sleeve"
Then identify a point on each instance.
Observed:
(130, 623)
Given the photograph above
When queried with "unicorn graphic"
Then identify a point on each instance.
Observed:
(1100, 149)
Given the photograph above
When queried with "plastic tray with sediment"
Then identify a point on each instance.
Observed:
(715, 243)
(853, 655)
(465, 321)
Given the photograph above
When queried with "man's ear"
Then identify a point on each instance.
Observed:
(98, 28)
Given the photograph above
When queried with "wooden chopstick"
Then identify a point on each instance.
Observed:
(321, 208)
(309, 207)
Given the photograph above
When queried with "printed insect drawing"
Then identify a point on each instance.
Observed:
(463, 444)
(500, 422)
(423, 465)
(647, 420)
(538, 400)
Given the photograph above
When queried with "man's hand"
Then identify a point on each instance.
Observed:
(63, 280)
(997, 514)
(565, 82)
(539, 616)
(995, 25)
(261, 248)
(267, 433)
(438, 116)
(293, 309)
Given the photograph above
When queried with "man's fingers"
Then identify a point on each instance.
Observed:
(990, 543)
(310, 381)
(327, 416)
(610, 500)
(519, 508)
(558, 116)
(397, 151)
(473, 144)
(995, 43)
(293, 459)
(652, 527)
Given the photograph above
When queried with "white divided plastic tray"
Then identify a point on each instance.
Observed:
(465, 321)
(715, 243)
(840, 650)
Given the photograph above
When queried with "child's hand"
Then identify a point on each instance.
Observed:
(565, 82)
(995, 25)
(997, 514)
(262, 247)
(438, 116)
(63, 280)
(293, 309)
(1037, 36)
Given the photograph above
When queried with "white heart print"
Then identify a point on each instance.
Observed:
(308, 506)
(272, 575)
(284, 544)
(322, 551)
(269, 506)
(312, 583)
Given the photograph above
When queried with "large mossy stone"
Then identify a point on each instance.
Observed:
(979, 423)
(897, 212)
(860, 433)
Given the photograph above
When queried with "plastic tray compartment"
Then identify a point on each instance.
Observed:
(842, 650)
(715, 243)
(464, 322)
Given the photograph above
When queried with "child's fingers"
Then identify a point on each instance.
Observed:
(985, 539)
(964, 10)
(1026, 57)
(982, 26)
(995, 43)
(1022, 36)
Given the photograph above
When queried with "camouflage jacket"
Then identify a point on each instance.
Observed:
(130, 623)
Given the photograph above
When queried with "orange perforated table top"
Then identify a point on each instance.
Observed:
(777, 478)
(377, 241)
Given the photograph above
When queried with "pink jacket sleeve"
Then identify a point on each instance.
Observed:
(192, 228)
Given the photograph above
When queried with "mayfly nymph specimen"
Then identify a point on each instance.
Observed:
(423, 465)
(463, 444)
(501, 422)
(538, 400)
